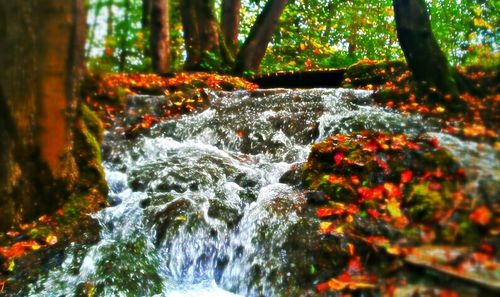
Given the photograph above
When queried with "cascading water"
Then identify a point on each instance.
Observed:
(199, 209)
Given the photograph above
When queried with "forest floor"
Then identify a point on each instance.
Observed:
(397, 199)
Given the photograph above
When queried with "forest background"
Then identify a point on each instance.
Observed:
(311, 34)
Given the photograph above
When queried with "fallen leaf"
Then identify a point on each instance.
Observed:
(481, 216)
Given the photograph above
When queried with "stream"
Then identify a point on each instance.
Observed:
(205, 205)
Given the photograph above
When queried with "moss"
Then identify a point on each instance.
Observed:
(366, 73)
(87, 148)
(423, 203)
(93, 123)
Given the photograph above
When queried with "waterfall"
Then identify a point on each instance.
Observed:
(198, 208)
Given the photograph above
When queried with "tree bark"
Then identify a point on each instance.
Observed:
(254, 48)
(41, 57)
(205, 46)
(109, 48)
(160, 36)
(423, 55)
(191, 34)
(123, 41)
(147, 6)
(230, 23)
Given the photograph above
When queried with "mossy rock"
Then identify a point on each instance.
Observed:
(423, 203)
(370, 72)
(93, 123)
(391, 176)
(87, 147)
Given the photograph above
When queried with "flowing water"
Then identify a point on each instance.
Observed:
(198, 206)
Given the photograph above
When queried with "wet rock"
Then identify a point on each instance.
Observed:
(170, 218)
(219, 210)
(292, 177)
(244, 181)
(317, 197)
(145, 202)
(114, 200)
(489, 191)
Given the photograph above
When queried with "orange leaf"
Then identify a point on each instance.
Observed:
(338, 158)
(406, 176)
(326, 212)
(481, 216)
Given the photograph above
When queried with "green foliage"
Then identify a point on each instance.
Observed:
(311, 34)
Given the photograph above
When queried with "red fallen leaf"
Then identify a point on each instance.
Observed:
(339, 138)
(354, 266)
(371, 146)
(382, 164)
(487, 248)
(371, 194)
(392, 190)
(240, 133)
(326, 212)
(450, 130)
(354, 179)
(434, 142)
(44, 219)
(338, 158)
(435, 186)
(18, 249)
(447, 293)
(413, 146)
(480, 257)
(373, 213)
(322, 287)
(461, 171)
(334, 179)
(344, 277)
(352, 209)
(60, 212)
(481, 216)
(347, 282)
(439, 173)
(376, 240)
(406, 176)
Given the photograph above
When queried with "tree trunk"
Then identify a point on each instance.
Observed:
(109, 48)
(191, 34)
(147, 6)
(124, 38)
(255, 45)
(230, 23)
(160, 36)
(41, 57)
(205, 46)
(423, 55)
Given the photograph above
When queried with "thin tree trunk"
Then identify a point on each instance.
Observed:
(41, 57)
(423, 55)
(123, 43)
(108, 47)
(230, 23)
(254, 48)
(147, 6)
(207, 26)
(160, 36)
(90, 42)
